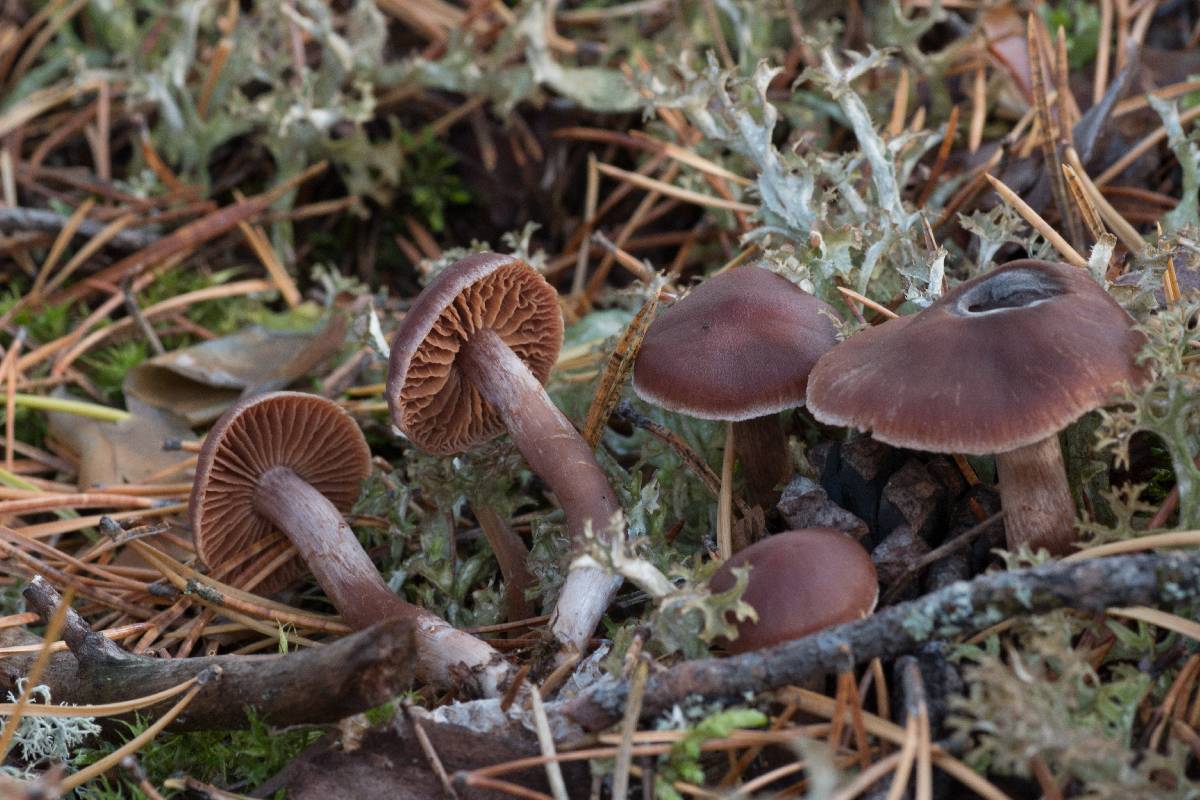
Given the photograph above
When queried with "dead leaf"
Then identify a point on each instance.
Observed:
(121, 452)
(199, 383)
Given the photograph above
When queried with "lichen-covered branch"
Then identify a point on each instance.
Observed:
(961, 609)
(323, 684)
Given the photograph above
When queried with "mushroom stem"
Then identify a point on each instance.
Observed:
(511, 554)
(331, 550)
(761, 447)
(559, 455)
(1038, 508)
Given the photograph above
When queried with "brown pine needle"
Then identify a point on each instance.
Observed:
(1066, 117)
(924, 754)
(215, 65)
(138, 742)
(747, 758)
(819, 704)
(1162, 619)
(978, 109)
(266, 255)
(939, 162)
(1040, 225)
(8, 370)
(671, 190)
(546, 740)
(1048, 140)
(741, 258)
(117, 634)
(1165, 93)
(865, 779)
(1171, 283)
(1087, 210)
(60, 244)
(633, 711)
(88, 250)
(53, 627)
(689, 157)
(636, 220)
(907, 757)
(103, 710)
(1103, 48)
(620, 362)
(591, 198)
(1151, 542)
(170, 305)
(1147, 143)
(237, 604)
(1117, 223)
(868, 302)
(635, 267)
(899, 105)
(725, 499)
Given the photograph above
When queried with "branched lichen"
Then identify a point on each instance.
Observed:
(43, 740)
(1042, 697)
(1168, 405)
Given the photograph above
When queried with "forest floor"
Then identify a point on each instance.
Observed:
(202, 201)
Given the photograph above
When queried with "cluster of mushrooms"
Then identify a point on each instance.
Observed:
(1000, 365)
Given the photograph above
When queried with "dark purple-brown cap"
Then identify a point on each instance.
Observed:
(430, 401)
(739, 346)
(800, 582)
(308, 434)
(1002, 361)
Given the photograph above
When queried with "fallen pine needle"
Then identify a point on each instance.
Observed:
(868, 302)
(671, 190)
(1040, 225)
(105, 710)
(1162, 619)
(137, 742)
(546, 740)
(1152, 542)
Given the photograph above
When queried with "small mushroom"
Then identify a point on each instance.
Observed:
(288, 464)
(738, 348)
(999, 365)
(468, 363)
(800, 582)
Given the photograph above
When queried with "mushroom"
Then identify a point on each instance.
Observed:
(800, 582)
(287, 464)
(467, 363)
(738, 348)
(999, 365)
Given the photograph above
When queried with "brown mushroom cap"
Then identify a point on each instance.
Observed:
(739, 346)
(1002, 361)
(431, 402)
(800, 582)
(309, 435)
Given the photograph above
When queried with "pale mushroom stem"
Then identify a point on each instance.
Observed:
(342, 568)
(761, 446)
(1035, 497)
(558, 454)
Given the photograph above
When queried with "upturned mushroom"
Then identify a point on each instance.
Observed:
(281, 468)
(1000, 365)
(800, 582)
(468, 363)
(738, 348)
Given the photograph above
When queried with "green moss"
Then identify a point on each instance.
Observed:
(234, 760)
